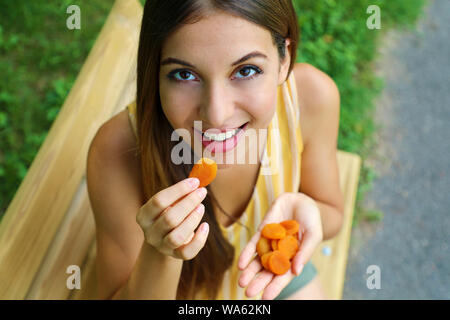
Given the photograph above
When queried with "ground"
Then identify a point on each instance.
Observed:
(411, 243)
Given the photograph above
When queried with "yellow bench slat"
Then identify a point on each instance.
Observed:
(331, 268)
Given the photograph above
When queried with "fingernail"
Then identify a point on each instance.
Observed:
(201, 192)
(193, 182)
(200, 208)
(204, 228)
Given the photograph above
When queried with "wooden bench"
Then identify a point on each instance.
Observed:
(330, 258)
(49, 224)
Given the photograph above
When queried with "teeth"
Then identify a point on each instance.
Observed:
(220, 136)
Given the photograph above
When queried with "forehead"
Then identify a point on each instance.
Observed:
(218, 33)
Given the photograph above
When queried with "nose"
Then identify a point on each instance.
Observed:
(217, 106)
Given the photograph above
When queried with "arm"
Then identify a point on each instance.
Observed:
(319, 116)
(147, 281)
(126, 267)
(332, 219)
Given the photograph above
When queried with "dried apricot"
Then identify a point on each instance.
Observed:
(265, 258)
(291, 226)
(278, 262)
(273, 231)
(288, 245)
(205, 170)
(274, 244)
(263, 246)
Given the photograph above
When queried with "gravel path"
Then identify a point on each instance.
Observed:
(411, 243)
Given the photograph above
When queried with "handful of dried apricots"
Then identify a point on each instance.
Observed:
(278, 245)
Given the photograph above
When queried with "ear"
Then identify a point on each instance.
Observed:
(284, 65)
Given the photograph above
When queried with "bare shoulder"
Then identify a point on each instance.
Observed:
(112, 158)
(115, 193)
(114, 135)
(318, 96)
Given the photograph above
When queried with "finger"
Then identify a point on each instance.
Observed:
(180, 235)
(248, 252)
(308, 245)
(176, 214)
(190, 250)
(300, 237)
(189, 238)
(169, 196)
(277, 284)
(249, 273)
(258, 283)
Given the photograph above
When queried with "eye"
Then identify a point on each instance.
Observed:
(245, 71)
(184, 75)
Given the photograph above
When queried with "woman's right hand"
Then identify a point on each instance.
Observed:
(170, 217)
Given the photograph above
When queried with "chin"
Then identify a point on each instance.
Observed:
(224, 166)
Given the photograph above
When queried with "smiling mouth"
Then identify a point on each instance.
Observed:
(222, 136)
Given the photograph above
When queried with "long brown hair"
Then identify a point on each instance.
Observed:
(160, 19)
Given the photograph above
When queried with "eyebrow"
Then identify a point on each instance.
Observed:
(253, 54)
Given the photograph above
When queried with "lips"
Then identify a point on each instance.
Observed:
(216, 131)
(221, 146)
(209, 135)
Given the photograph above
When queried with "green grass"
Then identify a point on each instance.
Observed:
(40, 59)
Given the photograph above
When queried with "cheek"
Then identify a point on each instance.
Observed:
(177, 106)
(261, 105)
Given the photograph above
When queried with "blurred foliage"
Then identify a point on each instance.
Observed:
(40, 59)
(335, 39)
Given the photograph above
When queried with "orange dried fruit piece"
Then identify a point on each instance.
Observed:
(265, 258)
(263, 246)
(273, 231)
(288, 245)
(291, 226)
(274, 244)
(278, 262)
(205, 170)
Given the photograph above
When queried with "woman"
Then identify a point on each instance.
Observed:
(230, 65)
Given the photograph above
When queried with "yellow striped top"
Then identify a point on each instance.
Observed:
(279, 172)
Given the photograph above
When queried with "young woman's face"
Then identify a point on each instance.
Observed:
(210, 83)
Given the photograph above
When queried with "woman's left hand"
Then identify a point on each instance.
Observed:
(287, 206)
